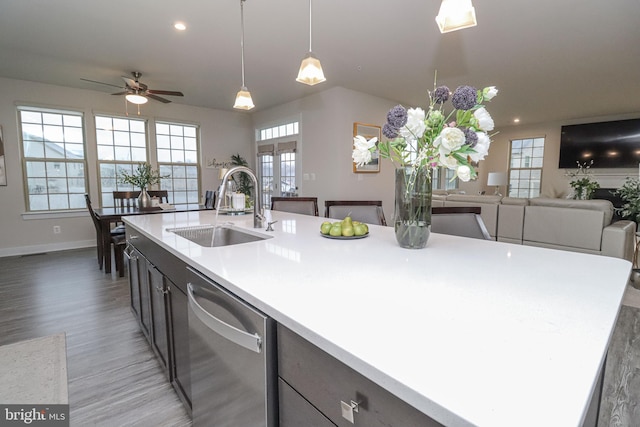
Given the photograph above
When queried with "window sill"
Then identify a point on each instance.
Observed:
(27, 216)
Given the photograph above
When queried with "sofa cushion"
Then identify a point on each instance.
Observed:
(604, 206)
(574, 228)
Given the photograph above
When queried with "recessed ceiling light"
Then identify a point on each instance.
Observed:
(516, 120)
(180, 26)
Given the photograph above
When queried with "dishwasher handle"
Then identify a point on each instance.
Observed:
(244, 339)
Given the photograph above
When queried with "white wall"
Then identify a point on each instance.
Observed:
(222, 134)
(326, 142)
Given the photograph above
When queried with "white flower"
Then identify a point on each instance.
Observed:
(415, 126)
(485, 122)
(361, 153)
(450, 139)
(448, 161)
(481, 148)
(489, 92)
(464, 173)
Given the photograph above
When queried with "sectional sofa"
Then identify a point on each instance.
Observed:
(574, 225)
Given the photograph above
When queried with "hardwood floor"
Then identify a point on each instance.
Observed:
(114, 378)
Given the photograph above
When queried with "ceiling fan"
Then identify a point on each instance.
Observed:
(137, 92)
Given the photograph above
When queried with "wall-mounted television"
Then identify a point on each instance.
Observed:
(613, 144)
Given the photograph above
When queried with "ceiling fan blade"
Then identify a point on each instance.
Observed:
(101, 83)
(157, 98)
(131, 83)
(121, 93)
(165, 92)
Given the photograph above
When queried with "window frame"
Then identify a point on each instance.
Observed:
(74, 203)
(530, 191)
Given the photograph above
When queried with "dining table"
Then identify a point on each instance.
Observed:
(113, 215)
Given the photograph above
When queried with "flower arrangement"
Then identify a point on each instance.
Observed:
(143, 176)
(426, 140)
(582, 184)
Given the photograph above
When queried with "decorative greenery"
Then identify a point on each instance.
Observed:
(582, 184)
(242, 180)
(142, 177)
(630, 194)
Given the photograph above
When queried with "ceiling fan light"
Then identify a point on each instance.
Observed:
(456, 15)
(134, 98)
(310, 71)
(243, 100)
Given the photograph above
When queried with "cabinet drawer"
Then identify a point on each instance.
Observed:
(295, 411)
(325, 381)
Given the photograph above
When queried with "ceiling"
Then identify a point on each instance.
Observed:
(551, 60)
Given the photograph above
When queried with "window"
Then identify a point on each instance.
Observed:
(177, 151)
(277, 170)
(122, 144)
(53, 157)
(525, 167)
(279, 131)
(444, 179)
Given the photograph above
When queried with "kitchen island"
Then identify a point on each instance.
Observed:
(468, 332)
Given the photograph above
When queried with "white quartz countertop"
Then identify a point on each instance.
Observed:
(470, 332)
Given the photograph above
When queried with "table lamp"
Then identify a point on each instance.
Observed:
(497, 179)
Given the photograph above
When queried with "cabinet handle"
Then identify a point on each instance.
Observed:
(133, 236)
(348, 409)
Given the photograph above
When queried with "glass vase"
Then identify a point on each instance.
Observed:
(412, 214)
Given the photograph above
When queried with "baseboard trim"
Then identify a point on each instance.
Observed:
(52, 247)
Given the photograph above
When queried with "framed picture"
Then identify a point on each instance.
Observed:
(3, 172)
(368, 131)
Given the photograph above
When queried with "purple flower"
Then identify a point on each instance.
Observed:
(397, 116)
(441, 94)
(389, 131)
(464, 98)
(471, 137)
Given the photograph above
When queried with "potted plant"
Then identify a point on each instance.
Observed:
(630, 195)
(582, 184)
(243, 182)
(143, 176)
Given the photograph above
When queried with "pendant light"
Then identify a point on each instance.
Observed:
(243, 98)
(456, 15)
(310, 69)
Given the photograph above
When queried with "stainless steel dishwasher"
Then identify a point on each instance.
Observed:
(232, 352)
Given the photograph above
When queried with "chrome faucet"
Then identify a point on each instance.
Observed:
(258, 212)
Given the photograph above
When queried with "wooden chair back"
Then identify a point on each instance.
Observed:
(163, 195)
(301, 205)
(462, 221)
(367, 211)
(125, 199)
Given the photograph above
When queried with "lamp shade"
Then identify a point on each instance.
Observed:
(456, 15)
(310, 71)
(243, 100)
(221, 172)
(497, 178)
(134, 98)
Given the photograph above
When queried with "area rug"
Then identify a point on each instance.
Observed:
(34, 371)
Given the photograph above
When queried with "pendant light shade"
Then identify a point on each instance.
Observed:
(310, 69)
(134, 98)
(243, 98)
(456, 15)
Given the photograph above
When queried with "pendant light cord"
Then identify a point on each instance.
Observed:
(242, 37)
(310, 26)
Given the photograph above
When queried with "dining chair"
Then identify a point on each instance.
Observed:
(118, 240)
(367, 211)
(301, 205)
(126, 199)
(163, 195)
(459, 221)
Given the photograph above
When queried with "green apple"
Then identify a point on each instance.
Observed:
(360, 229)
(325, 227)
(348, 230)
(336, 230)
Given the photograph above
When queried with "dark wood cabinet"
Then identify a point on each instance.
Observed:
(157, 280)
(331, 387)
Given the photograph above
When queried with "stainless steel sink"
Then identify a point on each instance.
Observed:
(210, 236)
